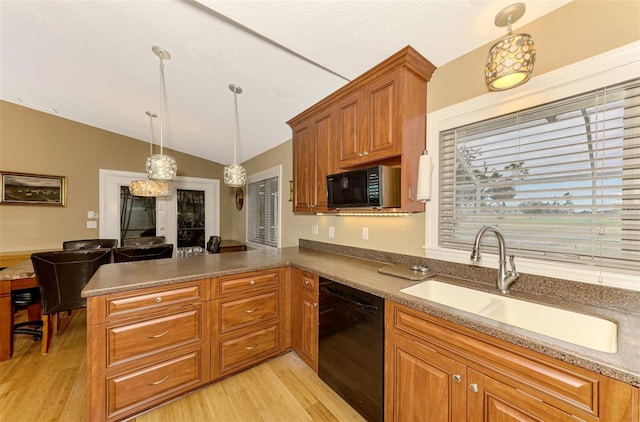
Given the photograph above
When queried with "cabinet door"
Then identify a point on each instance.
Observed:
(304, 318)
(421, 384)
(350, 127)
(324, 162)
(492, 401)
(303, 160)
(383, 134)
(309, 331)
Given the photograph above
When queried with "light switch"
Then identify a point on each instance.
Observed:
(91, 214)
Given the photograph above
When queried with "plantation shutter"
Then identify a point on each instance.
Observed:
(262, 226)
(560, 180)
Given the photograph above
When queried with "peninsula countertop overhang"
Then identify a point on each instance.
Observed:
(363, 274)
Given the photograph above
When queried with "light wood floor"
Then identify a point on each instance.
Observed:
(53, 388)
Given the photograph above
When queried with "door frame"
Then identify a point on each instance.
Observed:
(110, 182)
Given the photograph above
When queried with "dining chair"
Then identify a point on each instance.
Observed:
(72, 245)
(142, 253)
(61, 277)
(144, 240)
(213, 245)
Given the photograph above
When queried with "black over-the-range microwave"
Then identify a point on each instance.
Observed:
(371, 187)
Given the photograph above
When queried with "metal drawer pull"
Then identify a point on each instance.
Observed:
(252, 282)
(159, 335)
(474, 387)
(158, 299)
(457, 378)
(159, 382)
(307, 283)
(250, 311)
(251, 347)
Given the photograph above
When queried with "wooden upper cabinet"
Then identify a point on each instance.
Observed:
(378, 118)
(313, 159)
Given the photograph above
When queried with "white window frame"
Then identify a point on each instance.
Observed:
(609, 68)
(256, 177)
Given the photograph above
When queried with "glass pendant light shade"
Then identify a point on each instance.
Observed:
(510, 61)
(161, 167)
(149, 188)
(234, 174)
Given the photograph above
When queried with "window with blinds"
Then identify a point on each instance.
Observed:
(560, 180)
(262, 211)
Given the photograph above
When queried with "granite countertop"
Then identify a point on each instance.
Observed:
(363, 274)
(22, 270)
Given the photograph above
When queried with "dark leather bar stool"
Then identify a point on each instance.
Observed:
(73, 245)
(142, 253)
(61, 277)
(144, 240)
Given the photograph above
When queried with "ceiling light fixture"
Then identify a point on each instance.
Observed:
(160, 166)
(510, 61)
(150, 187)
(234, 174)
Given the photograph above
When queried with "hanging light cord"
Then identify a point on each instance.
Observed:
(237, 130)
(162, 98)
(153, 137)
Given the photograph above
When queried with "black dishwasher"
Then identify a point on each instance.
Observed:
(351, 346)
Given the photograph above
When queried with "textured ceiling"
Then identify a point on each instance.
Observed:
(91, 61)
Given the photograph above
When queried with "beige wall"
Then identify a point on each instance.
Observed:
(577, 31)
(35, 142)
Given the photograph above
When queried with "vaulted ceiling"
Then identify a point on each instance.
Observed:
(91, 61)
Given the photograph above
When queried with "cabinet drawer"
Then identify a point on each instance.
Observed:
(243, 350)
(145, 385)
(131, 341)
(249, 281)
(152, 299)
(242, 312)
(562, 385)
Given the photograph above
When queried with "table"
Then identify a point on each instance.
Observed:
(16, 277)
(232, 246)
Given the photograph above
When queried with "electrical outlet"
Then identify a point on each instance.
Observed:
(332, 232)
(314, 229)
(365, 233)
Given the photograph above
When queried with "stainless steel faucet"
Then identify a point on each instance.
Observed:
(505, 278)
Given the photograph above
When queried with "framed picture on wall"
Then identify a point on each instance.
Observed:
(33, 189)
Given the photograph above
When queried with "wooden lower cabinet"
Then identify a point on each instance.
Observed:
(305, 317)
(439, 371)
(149, 346)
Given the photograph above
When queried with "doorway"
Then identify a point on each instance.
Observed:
(194, 204)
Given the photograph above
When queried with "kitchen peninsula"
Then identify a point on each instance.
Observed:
(202, 295)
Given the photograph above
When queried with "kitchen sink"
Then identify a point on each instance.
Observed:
(583, 330)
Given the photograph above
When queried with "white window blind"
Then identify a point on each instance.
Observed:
(561, 180)
(262, 212)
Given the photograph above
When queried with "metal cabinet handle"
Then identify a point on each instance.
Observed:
(307, 283)
(251, 347)
(252, 282)
(457, 378)
(359, 154)
(158, 299)
(474, 387)
(364, 154)
(159, 335)
(250, 311)
(159, 382)
(315, 304)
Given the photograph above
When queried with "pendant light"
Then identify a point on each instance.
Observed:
(510, 61)
(150, 188)
(234, 174)
(160, 166)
